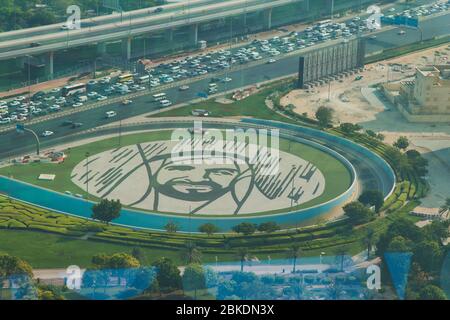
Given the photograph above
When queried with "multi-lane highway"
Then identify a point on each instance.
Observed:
(51, 39)
(13, 143)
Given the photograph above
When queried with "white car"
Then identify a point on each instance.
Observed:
(271, 61)
(55, 90)
(227, 79)
(55, 107)
(140, 88)
(101, 98)
(76, 105)
(5, 121)
(14, 103)
(47, 133)
(110, 114)
(92, 94)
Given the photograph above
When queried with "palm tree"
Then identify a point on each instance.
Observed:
(191, 253)
(242, 254)
(294, 252)
(445, 206)
(368, 240)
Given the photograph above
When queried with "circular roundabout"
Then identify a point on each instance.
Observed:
(315, 174)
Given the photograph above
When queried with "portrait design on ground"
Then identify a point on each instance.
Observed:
(146, 176)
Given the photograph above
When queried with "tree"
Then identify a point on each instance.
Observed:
(245, 228)
(357, 213)
(106, 210)
(208, 228)
(193, 278)
(349, 128)
(117, 264)
(167, 275)
(399, 244)
(402, 143)
(373, 198)
(268, 227)
(446, 206)
(325, 116)
(368, 240)
(242, 254)
(171, 227)
(14, 270)
(417, 162)
(190, 253)
(294, 253)
(432, 292)
(428, 255)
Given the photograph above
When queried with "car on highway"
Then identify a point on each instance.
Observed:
(127, 102)
(76, 125)
(165, 103)
(77, 105)
(226, 79)
(183, 88)
(67, 123)
(401, 32)
(110, 114)
(47, 133)
(55, 108)
(101, 98)
(200, 113)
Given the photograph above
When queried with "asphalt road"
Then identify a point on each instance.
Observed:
(13, 143)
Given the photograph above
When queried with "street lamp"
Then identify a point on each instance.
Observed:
(320, 257)
(292, 189)
(87, 174)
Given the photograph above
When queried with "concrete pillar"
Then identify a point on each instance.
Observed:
(268, 18)
(49, 64)
(193, 35)
(126, 48)
(169, 35)
(101, 48)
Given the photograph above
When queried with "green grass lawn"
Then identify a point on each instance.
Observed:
(253, 106)
(46, 250)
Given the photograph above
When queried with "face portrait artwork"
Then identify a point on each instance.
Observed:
(147, 176)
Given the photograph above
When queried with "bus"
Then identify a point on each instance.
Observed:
(144, 79)
(159, 96)
(73, 89)
(125, 77)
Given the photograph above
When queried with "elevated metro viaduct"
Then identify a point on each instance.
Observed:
(146, 34)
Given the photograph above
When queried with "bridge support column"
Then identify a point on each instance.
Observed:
(306, 5)
(193, 34)
(126, 48)
(49, 64)
(268, 18)
(101, 48)
(169, 35)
